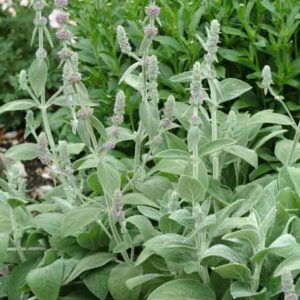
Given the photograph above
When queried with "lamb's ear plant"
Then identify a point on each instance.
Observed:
(189, 215)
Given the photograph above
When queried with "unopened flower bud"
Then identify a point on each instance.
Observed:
(42, 142)
(74, 77)
(29, 119)
(266, 78)
(65, 53)
(115, 132)
(195, 120)
(152, 67)
(117, 207)
(42, 21)
(152, 11)
(150, 31)
(61, 3)
(63, 34)
(169, 107)
(123, 40)
(64, 152)
(165, 123)
(44, 154)
(119, 109)
(157, 139)
(74, 125)
(23, 80)
(61, 18)
(117, 120)
(212, 42)
(109, 146)
(85, 113)
(196, 88)
(41, 53)
(38, 5)
(69, 100)
(287, 283)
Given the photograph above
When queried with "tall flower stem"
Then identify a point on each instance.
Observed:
(295, 142)
(16, 236)
(214, 136)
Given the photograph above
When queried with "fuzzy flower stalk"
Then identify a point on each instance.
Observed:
(166, 121)
(287, 285)
(147, 79)
(211, 48)
(117, 120)
(73, 88)
(266, 84)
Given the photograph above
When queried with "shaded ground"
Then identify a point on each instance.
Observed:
(35, 173)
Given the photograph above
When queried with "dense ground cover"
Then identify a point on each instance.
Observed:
(172, 174)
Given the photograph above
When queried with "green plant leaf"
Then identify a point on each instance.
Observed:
(78, 218)
(75, 148)
(137, 199)
(268, 116)
(26, 151)
(183, 77)
(246, 154)
(149, 116)
(4, 238)
(17, 105)
(45, 282)
(248, 235)
(17, 279)
(191, 189)
(285, 245)
(224, 252)
(174, 166)
(37, 75)
(215, 146)
(182, 289)
(97, 282)
(290, 177)
(49, 222)
(240, 290)
(193, 137)
(234, 271)
(291, 263)
(90, 262)
(173, 154)
(172, 247)
(139, 280)
(144, 225)
(117, 282)
(283, 149)
(233, 88)
(130, 70)
(168, 225)
(109, 178)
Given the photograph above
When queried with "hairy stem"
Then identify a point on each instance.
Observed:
(215, 157)
(296, 140)
(256, 277)
(16, 236)
(114, 231)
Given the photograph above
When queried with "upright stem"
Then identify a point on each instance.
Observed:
(195, 151)
(114, 231)
(16, 235)
(256, 276)
(138, 147)
(215, 157)
(140, 132)
(296, 140)
(200, 237)
(47, 128)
